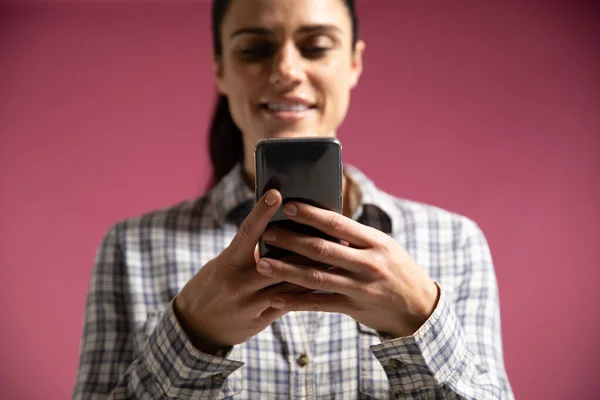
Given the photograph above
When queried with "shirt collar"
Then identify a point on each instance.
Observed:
(229, 195)
(232, 199)
(376, 208)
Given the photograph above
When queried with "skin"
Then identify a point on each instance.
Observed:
(305, 51)
(272, 50)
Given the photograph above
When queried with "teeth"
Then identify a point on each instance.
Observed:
(287, 107)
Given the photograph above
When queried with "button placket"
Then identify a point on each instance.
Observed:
(299, 357)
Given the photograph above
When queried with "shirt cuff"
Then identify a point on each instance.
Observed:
(179, 368)
(431, 357)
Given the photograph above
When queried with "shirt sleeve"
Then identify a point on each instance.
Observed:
(168, 366)
(457, 353)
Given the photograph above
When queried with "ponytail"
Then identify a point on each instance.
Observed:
(225, 141)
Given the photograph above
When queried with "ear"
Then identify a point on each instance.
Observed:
(357, 62)
(217, 63)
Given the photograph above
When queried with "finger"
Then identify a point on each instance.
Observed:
(242, 246)
(332, 223)
(253, 282)
(271, 314)
(282, 287)
(306, 276)
(318, 249)
(262, 298)
(319, 302)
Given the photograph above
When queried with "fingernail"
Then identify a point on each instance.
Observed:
(277, 303)
(269, 236)
(290, 210)
(270, 199)
(264, 268)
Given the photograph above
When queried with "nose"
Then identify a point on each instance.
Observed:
(287, 67)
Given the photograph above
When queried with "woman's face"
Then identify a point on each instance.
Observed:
(287, 67)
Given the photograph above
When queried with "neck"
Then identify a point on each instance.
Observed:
(249, 177)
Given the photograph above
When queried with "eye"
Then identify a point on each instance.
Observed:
(257, 52)
(315, 51)
(317, 47)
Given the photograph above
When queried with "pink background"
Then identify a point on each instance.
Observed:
(490, 109)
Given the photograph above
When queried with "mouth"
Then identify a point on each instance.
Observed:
(287, 110)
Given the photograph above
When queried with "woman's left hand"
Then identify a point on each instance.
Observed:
(372, 279)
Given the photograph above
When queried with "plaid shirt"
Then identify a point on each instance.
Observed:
(134, 347)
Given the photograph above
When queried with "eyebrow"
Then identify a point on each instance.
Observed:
(268, 32)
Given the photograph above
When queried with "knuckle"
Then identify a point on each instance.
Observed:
(336, 223)
(367, 291)
(377, 260)
(387, 245)
(244, 231)
(321, 248)
(315, 279)
(374, 262)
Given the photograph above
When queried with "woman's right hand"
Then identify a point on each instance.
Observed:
(228, 301)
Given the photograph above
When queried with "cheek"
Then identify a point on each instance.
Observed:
(243, 79)
(242, 72)
(337, 101)
(334, 84)
(243, 83)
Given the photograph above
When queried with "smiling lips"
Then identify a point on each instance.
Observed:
(289, 109)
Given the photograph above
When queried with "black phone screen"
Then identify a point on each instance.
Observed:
(307, 170)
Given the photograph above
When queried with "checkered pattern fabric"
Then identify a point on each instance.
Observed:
(134, 348)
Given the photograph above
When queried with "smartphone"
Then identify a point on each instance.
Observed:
(307, 170)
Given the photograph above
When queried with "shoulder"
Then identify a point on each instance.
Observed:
(416, 221)
(451, 247)
(427, 222)
(185, 216)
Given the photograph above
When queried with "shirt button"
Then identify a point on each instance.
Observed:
(302, 360)
(396, 364)
(218, 378)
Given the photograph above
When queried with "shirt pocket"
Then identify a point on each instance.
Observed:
(373, 382)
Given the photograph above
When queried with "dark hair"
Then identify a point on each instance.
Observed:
(225, 141)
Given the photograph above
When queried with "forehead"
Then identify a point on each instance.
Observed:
(285, 14)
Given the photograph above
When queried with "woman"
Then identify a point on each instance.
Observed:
(180, 306)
